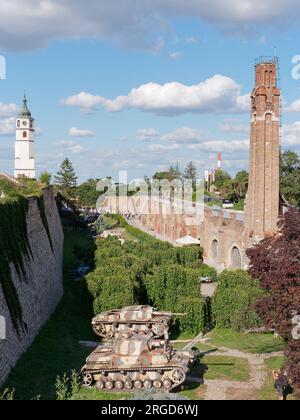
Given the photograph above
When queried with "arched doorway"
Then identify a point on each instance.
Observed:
(236, 258)
(215, 249)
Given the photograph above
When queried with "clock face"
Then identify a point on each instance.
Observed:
(24, 123)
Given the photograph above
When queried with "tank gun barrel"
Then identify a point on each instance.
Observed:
(200, 340)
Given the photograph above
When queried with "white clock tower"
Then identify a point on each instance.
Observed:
(25, 147)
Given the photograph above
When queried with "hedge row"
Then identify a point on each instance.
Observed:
(234, 301)
(148, 271)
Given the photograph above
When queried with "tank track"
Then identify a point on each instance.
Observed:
(102, 379)
(158, 328)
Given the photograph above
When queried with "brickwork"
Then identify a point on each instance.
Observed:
(43, 289)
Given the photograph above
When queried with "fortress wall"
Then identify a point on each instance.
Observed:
(43, 288)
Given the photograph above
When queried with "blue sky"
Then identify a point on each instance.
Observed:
(184, 75)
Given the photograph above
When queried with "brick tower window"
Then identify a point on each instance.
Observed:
(215, 249)
(236, 258)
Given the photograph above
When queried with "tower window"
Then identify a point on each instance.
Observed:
(24, 134)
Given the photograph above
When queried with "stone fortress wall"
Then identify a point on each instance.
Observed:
(43, 288)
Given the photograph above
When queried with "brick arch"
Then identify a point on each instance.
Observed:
(215, 249)
(235, 257)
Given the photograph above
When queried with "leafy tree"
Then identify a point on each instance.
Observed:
(66, 179)
(221, 178)
(276, 263)
(190, 171)
(290, 177)
(45, 178)
(87, 193)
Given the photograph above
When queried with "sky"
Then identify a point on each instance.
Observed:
(139, 85)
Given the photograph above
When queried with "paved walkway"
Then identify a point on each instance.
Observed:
(219, 389)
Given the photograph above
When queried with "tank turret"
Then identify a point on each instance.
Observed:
(132, 320)
(139, 362)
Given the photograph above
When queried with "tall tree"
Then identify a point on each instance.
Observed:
(290, 177)
(66, 179)
(275, 262)
(221, 178)
(190, 171)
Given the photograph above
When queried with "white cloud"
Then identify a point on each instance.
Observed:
(8, 110)
(7, 126)
(28, 24)
(222, 146)
(174, 55)
(291, 134)
(184, 135)
(232, 128)
(216, 94)
(191, 40)
(146, 134)
(293, 107)
(76, 132)
(163, 148)
(86, 101)
(71, 147)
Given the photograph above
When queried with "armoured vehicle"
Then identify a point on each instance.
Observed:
(132, 320)
(139, 362)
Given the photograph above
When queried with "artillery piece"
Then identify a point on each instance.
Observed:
(138, 362)
(132, 320)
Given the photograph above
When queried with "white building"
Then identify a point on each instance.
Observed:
(25, 147)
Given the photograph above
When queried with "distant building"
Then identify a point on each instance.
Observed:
(25, 144)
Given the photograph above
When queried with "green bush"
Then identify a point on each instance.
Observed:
(149, 271)
(233, 303)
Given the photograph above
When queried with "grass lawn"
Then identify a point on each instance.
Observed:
(194, 391)
(268, 392)
(222, 368)
(92, 394)
(56, 350)
(250, 343)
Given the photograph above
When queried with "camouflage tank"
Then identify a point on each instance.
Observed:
(140, 362)
(132, 320)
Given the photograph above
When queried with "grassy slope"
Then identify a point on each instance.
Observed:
(251, 343)
(56, 350)
(222, 368)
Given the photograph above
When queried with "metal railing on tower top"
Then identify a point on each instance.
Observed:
(266, 60)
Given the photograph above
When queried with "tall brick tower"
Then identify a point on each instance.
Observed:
(262, 206)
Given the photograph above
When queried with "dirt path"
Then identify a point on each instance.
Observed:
(224, 390)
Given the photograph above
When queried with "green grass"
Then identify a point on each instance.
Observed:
(222, 368)
(56, 350)
(250, 343)
(193, 391)
(92, 394)
(268, 392)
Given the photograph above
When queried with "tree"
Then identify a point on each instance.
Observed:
(66, 179)
(45, 178)
(190, 171)
(275, 262)
(290, 177)
(221, 178)
(87, 193)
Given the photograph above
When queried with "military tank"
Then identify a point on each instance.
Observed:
(139, 362)
(132, 320)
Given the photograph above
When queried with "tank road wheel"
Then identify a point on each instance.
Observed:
(87, 380)
(119, 385)
(147, 384)
(109, 385)
(159, 328)
(157, 384)
(128, 385)
(167, 384)
(100, 385)
(99, 329)
(138, 385)
(110, 334)
(178, 376)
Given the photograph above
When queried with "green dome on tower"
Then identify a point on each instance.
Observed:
(25, 111)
